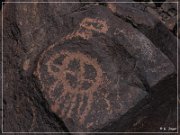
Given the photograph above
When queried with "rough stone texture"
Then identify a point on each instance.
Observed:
(89, 67)
(86, 108)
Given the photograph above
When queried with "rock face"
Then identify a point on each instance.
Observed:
(82, 90)
(88, 67)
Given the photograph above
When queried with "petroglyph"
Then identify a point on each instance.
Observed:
(77, 77)
(93, 24)
(88, 25)
(85, 34)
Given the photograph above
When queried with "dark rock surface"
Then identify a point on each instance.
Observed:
(89, 67)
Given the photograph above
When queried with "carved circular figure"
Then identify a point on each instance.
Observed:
(75, 77)
(82, 87)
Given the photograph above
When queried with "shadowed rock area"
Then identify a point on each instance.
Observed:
(90, 67)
